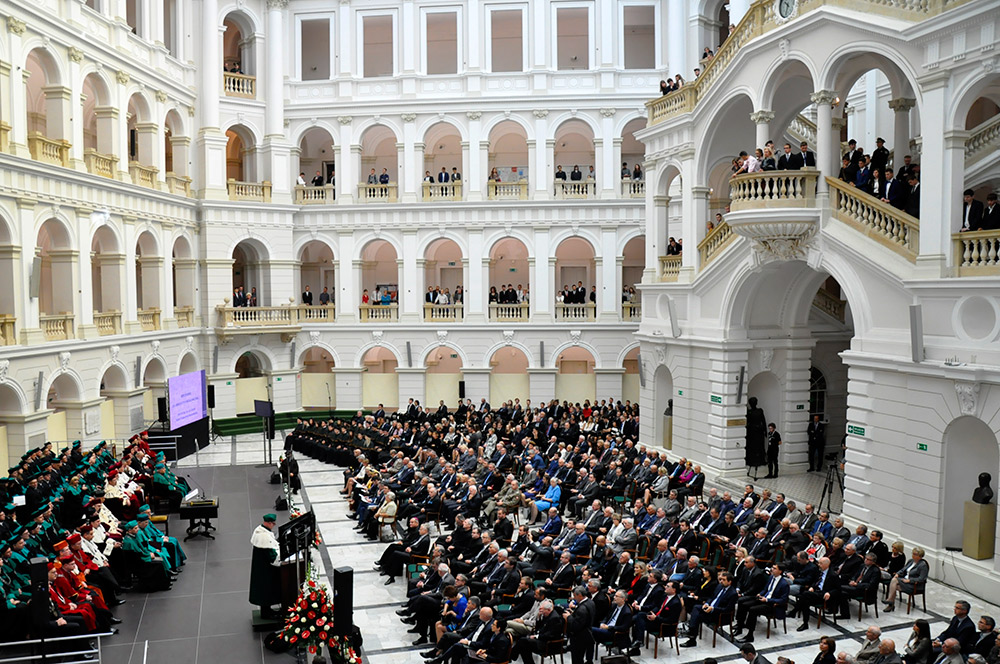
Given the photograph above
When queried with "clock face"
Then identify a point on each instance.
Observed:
(785, 7)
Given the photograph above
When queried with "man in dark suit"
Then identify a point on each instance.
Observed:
(785, 160)
(986, 638)
(854, 154)
(880, 156)
(972, 212)
(317, 181)
(549, 627)
(913, 198)
(443, 175)
(961, 628)
(307, 296)
(804, 157)
(773, 597)
(721, 603)
(817, 443)
(618, 620)
(648, 601)
(579, 624)
(863, 583)
(848, 172)
(991, 215)
(826, 589)
(668, 613)
(895, 191)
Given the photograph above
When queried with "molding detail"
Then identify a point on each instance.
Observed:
(123, 77)
(574, 336)
(766, 356)
(15, 26)
(408, 117)
(823, 97)
(762, 117)
(277, 4)
(75, 54)
(114, 350)
(442, 335)
(345, 119)
(508, 337)
(540, 113)
(474, 115)
(161, 96)
(4, 369)
(64, 360)
(608, 112)
(968, 396)
(377, 336)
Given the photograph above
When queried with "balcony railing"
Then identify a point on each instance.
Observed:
(105, 165)
(977, 253)
(7, 330)
(377, 193)
(442, 191)
(984, 140)
(829, 304)
(576, 312)
(511, 313)
(249, 191)
(57, 327)
(632, 311)
(575, 189)
(633, 188)
(108, 322)
(184, 316)
(306, 195)
(670, 267)
(48, 150)
(321, 313)
(371, 313)
(714, 243)
(239, 85)
(443, 313)
(773, 189)
(866, 214)
(4, 137)
(178, 184)
(271, 316)
(507, 191)
(149, 319)
(144, 176)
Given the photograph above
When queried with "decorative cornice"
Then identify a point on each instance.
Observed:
(345, 119)
(277, 4)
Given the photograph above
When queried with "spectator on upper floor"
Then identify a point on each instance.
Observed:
(848, 171)
(372, 177)
(913, 197)
(707, 54)
(443, 175)
(804, 158)
(455, 175)
(307, 296)
(637, 172)
(560, 173)
(678, 81)
(673, 249)
(591, 175)
(494, 175)
(428, 177)
(576, 174)
(626, 173)
(324, 297)
(907, 168)
(384, 177)
(664, 87)
(991, 215)
(880, 155)
(972, 212)
(301, 180)
(768, 162)
(854, 154)
(697, 72)
(317, 180)
(784, 160)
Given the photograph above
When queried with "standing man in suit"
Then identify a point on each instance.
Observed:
(817, 443)
(307, 297)
(880, 156)
(784, 163)
(894, 194)
(913, 197)
(721, 603)
(773, 444)
(804, 158)
(443, 175)
(579, 624)
(991, 215)
(972, 212)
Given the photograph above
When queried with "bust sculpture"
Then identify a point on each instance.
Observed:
(983, 493)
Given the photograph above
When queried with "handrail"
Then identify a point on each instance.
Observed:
(866, 214)
(108, 322)
(773, 189)
(377, 193)
(576, 312)
(379, 312)
(184, 316)
(631, 311)
(48, 150)
(143, 175)
(178, 184)
(517, 312)
(4, 136)
(57, 327)
(977, 253)
(981, 139)
(149, 319)
(715, 242)
(239, 85)
(442, 191)
(443, 312)
(41, 654)
(311, 195)
(829, 304)
(670, 267)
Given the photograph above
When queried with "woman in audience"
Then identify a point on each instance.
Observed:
(664, 88)
(767, 162)
(827, 651)
(550, 498)
(918, 646)
(816, 548)
(897, 559)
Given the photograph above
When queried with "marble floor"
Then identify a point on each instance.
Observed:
(387, 642)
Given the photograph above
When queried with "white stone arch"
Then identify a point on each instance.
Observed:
(182, 356)
(245, 17)
(54, 63)
(490, 242)
(148, 106)
(368, 238)
(51, 213)
(554, 357)
(117, 364)
(431, 122)
(10, 230)
(252, 129)
(147, 227)
(98, 222)
(300, 243)
(491, 124)
(667, 171)
(770, 81)
(147, 361)
(500, 345)
(183, 233)
(966, 92)
(73, 376)
(301, 357)
(434, 345)
(301, 128)
(555, 124)
(91, 69)
(396, 130)
(359, 357)
(625, 119)
(583, 234)
(627, 237)
(431, 238)
(711, 140)
(624, 353)
(22, 399)
(887, 59)
(265, 352)
(256, 241)
(181, 126)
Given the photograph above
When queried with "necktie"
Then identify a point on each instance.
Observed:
(614, 616)
(717, 597)
(770, 588)
(822, 580)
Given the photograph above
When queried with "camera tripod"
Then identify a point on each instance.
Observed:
(833, 478)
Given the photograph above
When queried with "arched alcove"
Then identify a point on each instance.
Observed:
(252, 385)
(509, 375)
(56, 293)
(575, 378)
(630, 379)
(508, 152)
(444, 372)
(317, 382)
(380, 383)
(663, 414)
(767, 389)
(251, 270)
(970, 448)
(443, 269)
(379, 272)
(509, 273)
(575, 278)
(317, 270)
(317, 155)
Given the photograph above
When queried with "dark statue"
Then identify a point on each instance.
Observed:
(756, 433)
(983, 494)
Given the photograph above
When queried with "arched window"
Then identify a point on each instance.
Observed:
(817, 393)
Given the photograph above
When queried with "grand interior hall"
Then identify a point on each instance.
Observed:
(434, 251)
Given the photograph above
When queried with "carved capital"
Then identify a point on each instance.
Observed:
(75, 54)
(474, 115)
(277, 4)
(123, 77)
(902, 104)
(4, 368)
(408, 117)
(762, 117)
(968, 396)
(15, 26)
(540, 113)
(345, 119)
(161, 96)
(823, 97)
(608, 112)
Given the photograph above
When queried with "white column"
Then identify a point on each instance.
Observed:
(901, 129)
(274, 110)
(676, 38)
(348, 162)
(699, 212)
(827, 152)
(541, 288)
(475, 171)
(466, 164)
(155, 22)
(348, 56)
(538, 36)
(608, 176)
(690, 224)
(534, 177)
(540, 168)
(18, 94)
(409, 295)
(409, 39)
(600, 179)
(211, 63)
(85, 312)
(942, 176)
(763, 121)
(76, 111)
(475, 285)
(484, 168)
(608, 292)
(411, 170)
(348, 279)
(606, 20)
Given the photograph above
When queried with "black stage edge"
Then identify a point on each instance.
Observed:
(190, 438)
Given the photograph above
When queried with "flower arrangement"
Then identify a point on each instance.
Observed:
(309, 625)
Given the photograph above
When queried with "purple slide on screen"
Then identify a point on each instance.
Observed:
(187, 399)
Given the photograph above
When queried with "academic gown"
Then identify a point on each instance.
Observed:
(265, 583)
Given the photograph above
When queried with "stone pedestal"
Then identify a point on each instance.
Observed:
(979, 534)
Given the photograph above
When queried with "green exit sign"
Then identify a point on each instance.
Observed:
(715, 398)
(800, 406)
(680, 393)
(921, 447)
(855, 430)
(229, 382)
(278, 378)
